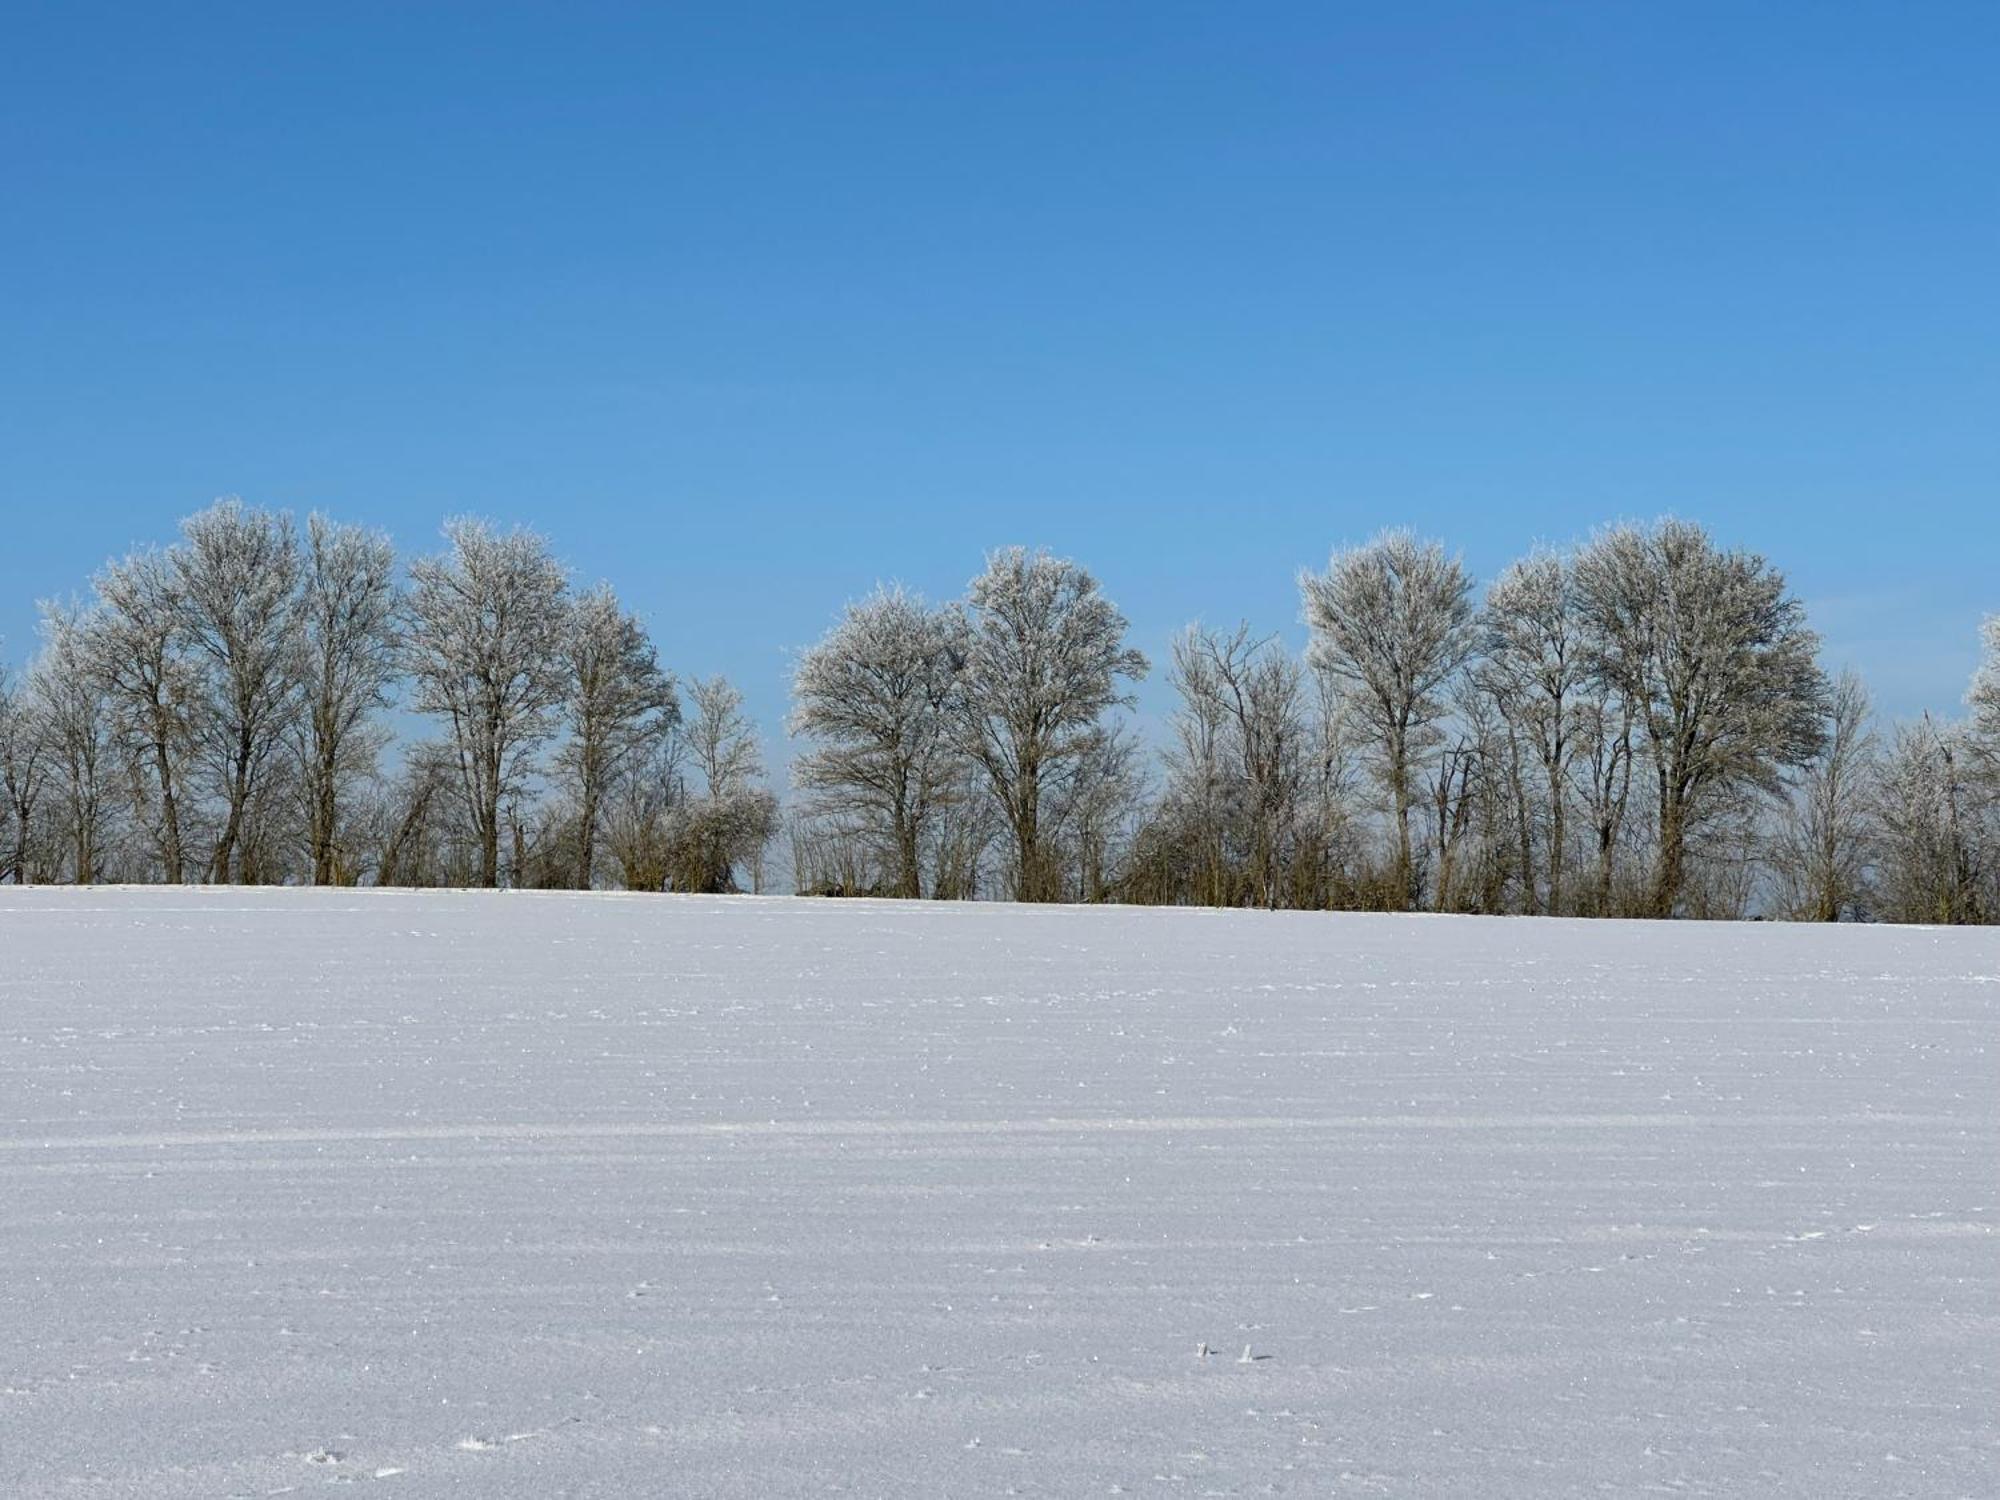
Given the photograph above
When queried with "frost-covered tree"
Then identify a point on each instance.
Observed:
(1044, 659)
(829, 858)
(728, 817)
(1326, 872)
(1823, 847)
(1264, 689)
(1716, 659)
(963, 833)
(1938, 810)
(159, 709)
(1463, 807)
(1983, 733)
(617, 704)
(1392, 625)
(1193, 835)
(345, 635)
(418, 826)
(484, 632)
(1095, 814)
(1601, 774)
(72, 714)
(874, 698)
(23, 772)
(1237, 767)
(220, 711)
(235, 580)
(1534, 669)
(640, 811)
(1936, 862)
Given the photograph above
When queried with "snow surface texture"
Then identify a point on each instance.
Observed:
(527, 1195)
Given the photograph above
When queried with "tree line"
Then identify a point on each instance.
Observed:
(220, 710)
(1637, 725)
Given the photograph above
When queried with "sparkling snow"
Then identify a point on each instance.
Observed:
(525, 1195)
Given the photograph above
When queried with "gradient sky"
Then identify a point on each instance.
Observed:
(748, 307)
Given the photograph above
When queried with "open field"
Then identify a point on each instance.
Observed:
(622, 1196)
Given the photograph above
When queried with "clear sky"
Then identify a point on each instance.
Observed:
(748, 306)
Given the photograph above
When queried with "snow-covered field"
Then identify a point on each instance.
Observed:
(622, 1196)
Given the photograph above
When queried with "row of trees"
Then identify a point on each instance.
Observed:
(220, 710)
(1637, 726)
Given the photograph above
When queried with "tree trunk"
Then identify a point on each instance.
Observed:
(1028, 881)
(1669, 874)
(486, 814)
(324, 806)
(909, 871)
(1523, 831)
(1558, 833)
(586, 835)
(172, 856)
(232, 828)
(322, 834)
(1405, 881)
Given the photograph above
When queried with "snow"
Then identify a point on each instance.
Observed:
(522, 1195)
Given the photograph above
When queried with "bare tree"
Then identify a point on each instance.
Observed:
(1718, 663)
(1044, 655)
(345, 638)
(483, 642)
(155, 691)
(874, 696)
(235, 578)
(617, 703)
(1392, 624)
(1823, 846)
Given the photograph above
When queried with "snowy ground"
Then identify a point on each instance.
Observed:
(540, 1195)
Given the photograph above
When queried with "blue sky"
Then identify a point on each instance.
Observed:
(749, 307)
